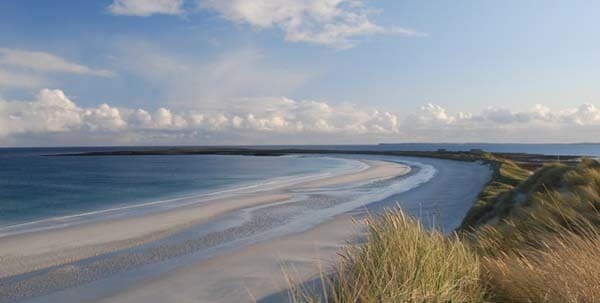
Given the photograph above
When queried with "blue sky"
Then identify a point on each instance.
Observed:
(259, 71)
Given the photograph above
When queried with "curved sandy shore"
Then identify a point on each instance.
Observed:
(38, 250)
(255, 273)
(250, 273)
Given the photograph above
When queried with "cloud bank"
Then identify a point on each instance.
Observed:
(56, 118)
(332, 23)
(540, 124)
(432, 115)
(52, 113)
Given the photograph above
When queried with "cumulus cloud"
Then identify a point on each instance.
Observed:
(52, 111)
(433, 123)
(45, 62)
(52, 114)
(335, 23)
(430, 115)
(585, 114)
(144, 8)
(287, 115)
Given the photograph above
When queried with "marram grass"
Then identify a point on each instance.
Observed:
(567, 270)
(548, 249)
(400, 262)
(545, 249)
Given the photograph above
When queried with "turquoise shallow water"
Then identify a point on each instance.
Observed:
(35, 187)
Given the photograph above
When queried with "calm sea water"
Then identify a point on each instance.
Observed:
(34, 187)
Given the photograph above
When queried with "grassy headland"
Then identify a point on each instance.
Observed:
(529, 238)
(496, 198)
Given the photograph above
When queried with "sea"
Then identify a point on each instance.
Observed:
(36, 186)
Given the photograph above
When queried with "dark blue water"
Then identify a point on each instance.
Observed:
(35, 187)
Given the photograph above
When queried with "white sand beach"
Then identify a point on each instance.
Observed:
(255, 273)
(248, 272)
(28, 252)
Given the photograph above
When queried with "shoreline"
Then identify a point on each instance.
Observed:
(256, 273)
(256, 266)
(50, 250)
(175, 200)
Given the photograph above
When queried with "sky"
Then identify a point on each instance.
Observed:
(214, 72)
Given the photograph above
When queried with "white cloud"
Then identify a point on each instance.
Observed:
(430, 115)
(104, 117)
(51, 115)
(585, 114)
(334, 23)
(52, 112)
(34, 69)
(287, 115)
(540, 124)
(45, 62)
(144, 8)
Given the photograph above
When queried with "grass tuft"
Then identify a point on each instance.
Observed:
(567, 270)
(541, 245)
(401, 262)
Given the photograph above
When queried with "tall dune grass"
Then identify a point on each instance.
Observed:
(401, 262)
(564, 200)
(567, 270)
(546, 248)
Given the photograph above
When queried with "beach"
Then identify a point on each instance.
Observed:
(231, 248)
